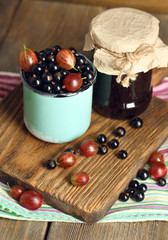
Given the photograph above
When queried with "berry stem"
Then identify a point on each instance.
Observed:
(56, 160)
(24, 46)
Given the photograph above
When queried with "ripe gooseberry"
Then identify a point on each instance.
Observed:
(80, 179)
(156, 156)
(66, 59)
(67, 159)
(157, 170)
(31, 199)
(16, 192)
(89, 148)
(72, 82)
(27, 59)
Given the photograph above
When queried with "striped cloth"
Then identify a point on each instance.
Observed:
(154, 206)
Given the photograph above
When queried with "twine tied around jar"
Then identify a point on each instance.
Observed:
(125, 62)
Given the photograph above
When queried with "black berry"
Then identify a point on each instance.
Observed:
(161, 182)
(47, 88)
(143, 174)
(51, 164)
(114, 143)
(120, 132)
(134, 184)
(137, 122)
(101, 138)
(87, 76)
(36, 82)
(80, 60)
(129, 192)
(122, 154)
(123, 197)
(138, 196)
(103, 149)
(53, 67)
(142, 187)
(38, 69)
(70, 149)
(48, 51)
(73, 50)
(47, 77)
(56, 88)
(56, 49)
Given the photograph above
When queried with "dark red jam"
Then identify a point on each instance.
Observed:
(113, 100)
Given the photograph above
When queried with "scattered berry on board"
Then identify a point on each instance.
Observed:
(114, 143)
(80, 179)
(51, 164)
(89, 148)
(101, 139)
(120, 131)
(137, 122)
(67, 159)
(122, 154)
(143, 174)
(103, 149)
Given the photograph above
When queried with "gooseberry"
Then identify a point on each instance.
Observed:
(67, 159)
(157, 170)
(31, 199)
(27, 59)
(80, 179)
(156, 156)
(89, 147)
(16, 191)
(66, 59)
(72, 82)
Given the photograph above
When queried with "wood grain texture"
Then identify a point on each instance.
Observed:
(22, 230)
(108, 174)
(44, 24)
(7, 12)
(150, 5)
(110, 231)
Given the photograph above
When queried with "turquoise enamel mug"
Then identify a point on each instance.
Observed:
(57, 118)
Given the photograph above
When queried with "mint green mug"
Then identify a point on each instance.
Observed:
(57, 118)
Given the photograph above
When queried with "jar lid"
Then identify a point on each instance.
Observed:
(124, 29)
(126, 42)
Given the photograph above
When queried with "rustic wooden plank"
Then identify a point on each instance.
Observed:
(22, 230)
(108, 175)
(150, 5)
(109, 231)
(7, 13)
(44, 24)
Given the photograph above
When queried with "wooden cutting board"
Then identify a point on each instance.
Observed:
(23, 158)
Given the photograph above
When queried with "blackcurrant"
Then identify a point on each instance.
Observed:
(56, 88)
(63, 73)
(137, 122)
(161, 182)
(143, 174)
(80, 60)
(70, 149)
(114, 143)
(87, 67)
(123, 197)
(57, 77)
(51, 164)
(120, 131)
(72, 50)
(53, 67)
(47, 77)
(47, 88)
(134, 184)
(42, 58)
(35, 82)
(129, 192)
(50, 58)
(103, 149)
(122, 154)
(138, 196)
(56, 49)
(142, 187)
(38, 69)
(48, 51)
(88, 75)
(101, 138)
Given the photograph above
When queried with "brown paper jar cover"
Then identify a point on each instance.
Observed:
(125, 42)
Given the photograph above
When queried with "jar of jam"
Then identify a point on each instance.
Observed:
(113, 100)
(126, 47)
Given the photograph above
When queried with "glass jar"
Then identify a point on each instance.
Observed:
(113, 100)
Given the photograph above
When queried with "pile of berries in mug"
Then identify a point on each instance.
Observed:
(55, 70)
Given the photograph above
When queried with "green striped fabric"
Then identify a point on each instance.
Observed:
(153, 207)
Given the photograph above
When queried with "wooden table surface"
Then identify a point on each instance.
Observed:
(42, 24)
